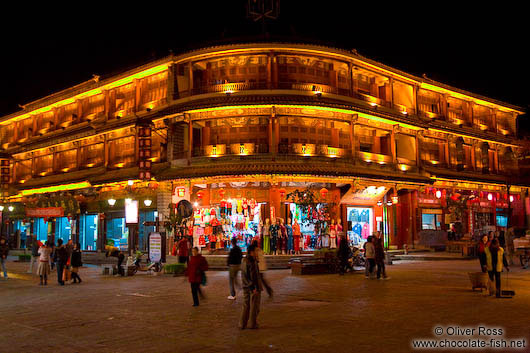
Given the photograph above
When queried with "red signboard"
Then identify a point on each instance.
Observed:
(45, 212)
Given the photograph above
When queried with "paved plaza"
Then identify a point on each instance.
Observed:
(318, 313)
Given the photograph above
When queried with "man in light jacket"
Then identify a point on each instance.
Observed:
(262, 265)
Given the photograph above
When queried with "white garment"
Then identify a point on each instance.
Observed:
(332, 242)
(369, 251)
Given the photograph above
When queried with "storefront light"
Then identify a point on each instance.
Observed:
(111, 202)
(130, 182)
(511, 198)
(389, 203)
(128, 201)
(490, 196)
(148, 202)
(1, 208)
(196, 204)
(10, 208)
(379, 203)
(395, 199)
(438, 194)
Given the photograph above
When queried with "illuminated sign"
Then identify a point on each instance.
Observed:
(45, 212)
(155, 247)
(131, 212)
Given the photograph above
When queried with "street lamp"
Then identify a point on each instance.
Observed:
(10, 208)
(111, 202)
(148, 202)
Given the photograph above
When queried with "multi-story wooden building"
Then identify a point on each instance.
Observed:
(254, 122)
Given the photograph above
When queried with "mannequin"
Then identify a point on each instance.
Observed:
(289, 236)
(338, 228)
(282, 238)
(297, 237)
(266, 237)
(332, 235)
(274, 229)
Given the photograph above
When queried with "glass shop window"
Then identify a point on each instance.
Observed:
(88, 231)
(63, 229)
(431, 221)
(117, 233)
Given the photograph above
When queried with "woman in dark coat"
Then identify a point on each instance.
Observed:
(75, 262)
(195, 272)
(380, 256)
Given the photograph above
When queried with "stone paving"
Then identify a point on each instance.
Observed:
(319, 313)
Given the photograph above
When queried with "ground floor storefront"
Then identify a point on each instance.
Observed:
(285, 214)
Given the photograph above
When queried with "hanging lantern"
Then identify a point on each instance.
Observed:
(490, 196)
(282, 192)
(518, 197)
(222, 193)
(505, 196)
(323, 192)
(511, 198)
(379, 203)
(438, 194)
(200, 194)
(395, 199)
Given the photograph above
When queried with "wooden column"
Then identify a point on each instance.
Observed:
(105, 151)
(350, 75)
(473, 160)
(137, 94)
(78, 155)
(190, 77)
(447, 159)
(106, 94)
(79, 111)
(190, 140)
(270, 57)
(352, 142)
(274, 71)
(393, 148)
(494, 121)
(418, 162)
(171, 86)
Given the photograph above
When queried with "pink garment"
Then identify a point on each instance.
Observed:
(366, 231)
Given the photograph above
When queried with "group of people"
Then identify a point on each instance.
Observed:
(66, 258)
(251, 267)
(374, 252)
(492, 259)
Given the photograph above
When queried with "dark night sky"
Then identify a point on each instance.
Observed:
(478, 48)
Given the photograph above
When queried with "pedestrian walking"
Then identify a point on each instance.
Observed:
(35, 245)
(495, 261)
(195, 271)
(44, 263)
(344, 254)
(262, 265)
(369, 253)
(60, 257)
(183, 247)
(252, 288)
(76, 262)
(234, 266)
(380, 256)
(482, 245)
(4, 251)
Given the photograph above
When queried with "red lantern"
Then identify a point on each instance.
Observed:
(200, 194)
(323, 192)
(222, 193)
(282, 193)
